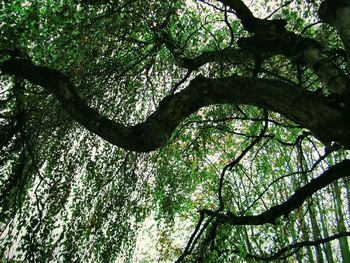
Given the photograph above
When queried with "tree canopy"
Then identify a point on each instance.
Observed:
(224, 124)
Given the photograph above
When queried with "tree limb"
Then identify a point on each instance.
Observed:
(310, 110)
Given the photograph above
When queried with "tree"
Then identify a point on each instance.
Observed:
(198, 111)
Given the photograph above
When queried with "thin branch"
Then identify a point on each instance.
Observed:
(182, 81)
(195, 237)
(309, 26)
(279, 8)
(334, 173)
(232, 38)
(239, 158)
(335, 148)
(295, 247)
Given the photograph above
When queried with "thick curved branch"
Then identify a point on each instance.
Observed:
(271, 38)
(334, 173)
(310, 110)
(293, 46)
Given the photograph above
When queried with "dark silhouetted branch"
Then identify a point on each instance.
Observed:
(310, 110)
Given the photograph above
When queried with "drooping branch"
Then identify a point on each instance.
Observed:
(310, 110)
(334, 173)
(17, 119)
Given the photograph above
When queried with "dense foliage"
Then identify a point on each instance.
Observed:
(203, 131)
